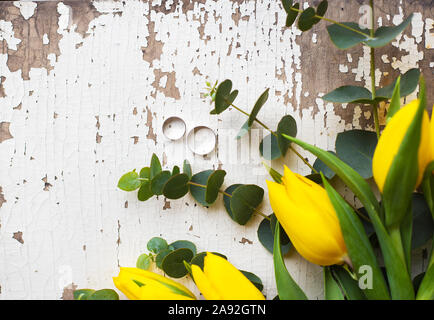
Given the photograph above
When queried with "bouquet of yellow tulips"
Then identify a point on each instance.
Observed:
(326, 230)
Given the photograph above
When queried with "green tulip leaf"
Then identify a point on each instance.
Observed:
(244, 201)
(257, 282)
(82, 294)
(266, 236)
(349, 286)
(287, 288)
(145, 191)
(357, 243)
(423, 225)
(384, 35)
(344, 38)
(104, 294)
(287, 125)
(356, 148)
(349, 94)
(158, 182)
(257, 107)
(157, 244)
(129, 181)
(184, 244)
(269, 147)
(320, 166)
(224, 97)
(143, 261)
(292, 15)
(214, 182)
(395, 102)
(155, 166)
(186, 168)
(307, 19)
(426, 287)
(277, 177)
(173, 263)
(408, 84)
(176, 187)
(197, 192)
(332, 291)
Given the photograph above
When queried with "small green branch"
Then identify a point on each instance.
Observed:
(369, 37)
(372, 58)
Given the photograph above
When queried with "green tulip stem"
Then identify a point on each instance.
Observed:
(395, 235)
(372, 58)
(230, 196)
(275, 134)
(369, 37)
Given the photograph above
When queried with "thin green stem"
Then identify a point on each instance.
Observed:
(143, 179)
(230, 196)
(395, 235)
(275, 134)
(337, 23)
(372, 58)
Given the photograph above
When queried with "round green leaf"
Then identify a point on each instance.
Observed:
(145, 191)
(269, 148)
(227, 200)
(199, 258)
(160, 257)
(257, 282)
(349, 94)
(356, 148)
(143, 261)
(320, 166)
(287, 125)
(157, 244)
(257, 107)
(307, 19)
(287, 4)
(186, 168)
(183, 244)
(173, 263)
(175, 170)
(266, 236)
(292, 15)
(214, 182)
(145, 173)
(82, 294)
(224, 97)
(384, 35)
(155, 166)
(104, 294)
(408, 84)
(244, 201)
(321, 10)
(244, 129)
(176, 187)
(344, 38)
(129, 181)
(158, 182)
(198, 193)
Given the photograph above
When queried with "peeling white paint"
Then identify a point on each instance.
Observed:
(27, 8)
(7, 34)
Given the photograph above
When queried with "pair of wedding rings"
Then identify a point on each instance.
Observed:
(201, 140)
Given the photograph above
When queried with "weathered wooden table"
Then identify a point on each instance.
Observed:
(84, 90)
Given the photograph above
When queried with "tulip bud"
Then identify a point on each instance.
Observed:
(391, 139)
(138, 284)
(304, 210)
(220, 280)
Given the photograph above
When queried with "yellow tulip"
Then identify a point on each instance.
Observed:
(220, 280)
(391, 139)
(138, 284)
(305, 212)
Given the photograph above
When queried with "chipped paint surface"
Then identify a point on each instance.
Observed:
(84, 89)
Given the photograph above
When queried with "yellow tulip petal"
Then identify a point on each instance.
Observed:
(228, 281)
(128, 287)
(204, 285)
(391, 139)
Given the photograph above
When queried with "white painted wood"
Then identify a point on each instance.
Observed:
(98, 113)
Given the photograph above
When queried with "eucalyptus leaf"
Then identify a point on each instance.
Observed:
(186, 168)
(175, 170)
(269, 147)
(307, 19)
(143, 261)
(265, 234)
(129, 181)
(244, 201)
(277, 177)
(227, 199)
(104, 294)
(384, 35)
(157, 244)
(356, 148)
(224, 96)
(160, 257)
(145, 173)
(349, 94)
(287, 125)
(176, 187)
(257, 107)
(82, 294)
(287, 4)
(408, 84)
(320, 166)
(184, 244)
(145, 191)
(292, 15)
(349, 286)
(173, 263)
(158, 182)
(257, 282)
(155, 166)
(344, 38)
(244, 130)
(214, 182)
(197, 192)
